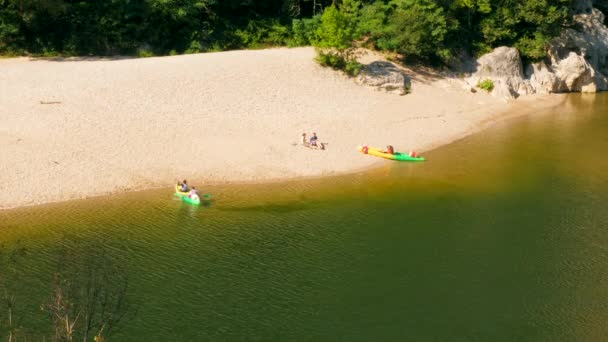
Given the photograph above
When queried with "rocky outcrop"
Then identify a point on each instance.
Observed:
(384, 76)
(583, 50)
(504, 68)
(542, 79)
(577, 61)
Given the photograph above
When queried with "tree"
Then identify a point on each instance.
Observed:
(418, 28)
(9, 28)
(526, 24)
(335, 35)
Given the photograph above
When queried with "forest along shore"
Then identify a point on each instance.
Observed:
(74, 128)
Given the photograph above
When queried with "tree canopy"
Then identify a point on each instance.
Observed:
(423, 29)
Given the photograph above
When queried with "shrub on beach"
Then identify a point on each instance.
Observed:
(487, 85)
(143, 53)
(338, 62)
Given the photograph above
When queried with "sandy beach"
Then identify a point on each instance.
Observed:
(78, 128)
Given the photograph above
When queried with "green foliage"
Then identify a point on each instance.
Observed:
(338, 62)
(262, 33)
(143, 53)
(418, 28)
(334, 31)
(304, 31)
(331, 60)
(526, 24)
(487, 85)
(433, 30)
(373, 23)
(335, 35)
(352, 68)
(429, 30)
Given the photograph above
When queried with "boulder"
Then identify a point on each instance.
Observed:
(504, 68)
(574, 73)
(384, 76)
(502, 62)
(542, 79)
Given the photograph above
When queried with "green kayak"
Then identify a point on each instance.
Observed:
(185, 196)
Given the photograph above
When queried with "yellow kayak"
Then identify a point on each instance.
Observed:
(180, 193)
(380, 153)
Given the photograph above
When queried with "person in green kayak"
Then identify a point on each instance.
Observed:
(194, 194)
(390, 149)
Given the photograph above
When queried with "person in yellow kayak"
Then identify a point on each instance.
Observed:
(389, 149)
(183, 186)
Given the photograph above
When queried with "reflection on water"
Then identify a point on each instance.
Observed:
(499, 236)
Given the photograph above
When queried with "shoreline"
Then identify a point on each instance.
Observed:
(121, 125)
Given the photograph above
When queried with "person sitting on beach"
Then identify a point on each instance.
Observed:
(184, 186)
(194, 194)
(313, 140)
(303, 141)
(390, 149)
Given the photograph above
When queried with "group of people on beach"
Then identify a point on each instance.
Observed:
(313, 142)
(184, 187)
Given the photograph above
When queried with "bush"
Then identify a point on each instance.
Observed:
(262, 33)
(278, 34)
(418, 28)
(143, 53)
(304, 31)
(332, 60)
(352, 68)
(195, 47)
(337, 61)
(373, 24)
(487, 85)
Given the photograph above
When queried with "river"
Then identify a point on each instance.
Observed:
(500, 236)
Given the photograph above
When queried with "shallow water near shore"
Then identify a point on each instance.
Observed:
(500, 236)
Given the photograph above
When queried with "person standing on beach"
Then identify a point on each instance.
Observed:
(303, 141)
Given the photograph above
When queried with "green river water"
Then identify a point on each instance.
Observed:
(500, 236)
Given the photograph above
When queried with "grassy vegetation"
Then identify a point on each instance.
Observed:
(338, 62)
(487, 85)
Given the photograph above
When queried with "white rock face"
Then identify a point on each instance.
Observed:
(542, 79)
(504, 68)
